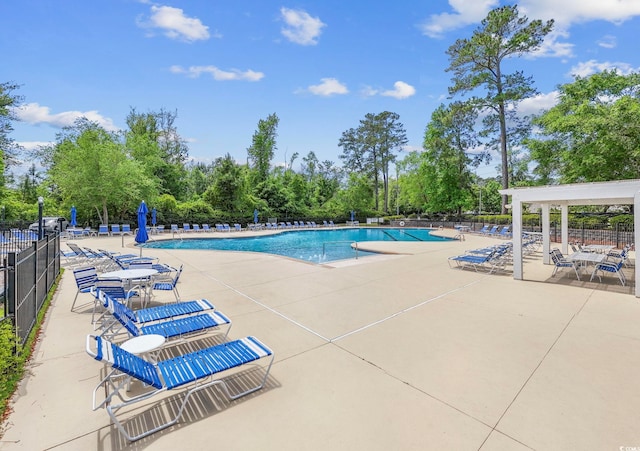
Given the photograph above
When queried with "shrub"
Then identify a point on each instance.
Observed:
(11, 362)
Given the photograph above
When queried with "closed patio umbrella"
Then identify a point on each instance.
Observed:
(255, 216)
(141, 235)
(153, 217)
(74, 221)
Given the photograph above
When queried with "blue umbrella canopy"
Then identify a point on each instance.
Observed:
(153, 216)
(255, 216)
(141, 235)
(74, 221)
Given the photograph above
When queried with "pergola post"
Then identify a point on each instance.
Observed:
(516, 219)
(564, 219)
(546, 232)
(636, 237)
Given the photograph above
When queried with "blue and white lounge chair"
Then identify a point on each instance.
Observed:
(169, 285)
(126, 229)
(186, 227)
(172, 328)
(85, 280)
(188, 373)
(206, 228)
(115, 229)
(103, 229)
(490, 259)
(559, 262)
(161, 312)
(614, 267)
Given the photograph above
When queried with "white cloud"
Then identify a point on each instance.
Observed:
(175, 24)
(34, 113)
(401, 90)
(33, 145)
(301, 28)
(608, 42)
(537, 104)
(592, 66)
(218, 74)
(328, 87)
(369, 91)
(466, 13)
(551, 47)
(568, 12)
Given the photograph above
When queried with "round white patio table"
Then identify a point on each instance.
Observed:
(128, 275)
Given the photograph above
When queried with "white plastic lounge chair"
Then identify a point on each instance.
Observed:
(190, 373)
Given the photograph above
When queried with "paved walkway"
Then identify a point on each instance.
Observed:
(393, 352)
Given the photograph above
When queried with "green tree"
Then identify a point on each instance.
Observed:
(228, 186)
(91, 169)
(370, 149)
(8, 147)
(153, 139)
(448, 138)
(593, 133)
(29, 184)
(263, 147)
(477, 62)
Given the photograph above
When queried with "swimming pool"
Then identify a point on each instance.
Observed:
(317, 246)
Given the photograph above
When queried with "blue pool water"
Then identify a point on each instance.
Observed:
(317, 246)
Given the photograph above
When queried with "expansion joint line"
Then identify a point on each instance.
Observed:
(535, 370)
(275, 312)
(408, 309)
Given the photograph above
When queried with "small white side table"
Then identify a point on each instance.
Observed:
(144, 345)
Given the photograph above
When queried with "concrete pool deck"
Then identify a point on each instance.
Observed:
(396, 351)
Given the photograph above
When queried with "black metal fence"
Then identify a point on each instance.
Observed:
(584, 233)
(29, 274)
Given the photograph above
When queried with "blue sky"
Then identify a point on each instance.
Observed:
(320, 66)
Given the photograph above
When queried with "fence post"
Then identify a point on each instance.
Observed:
(618, 235)
(582, 233)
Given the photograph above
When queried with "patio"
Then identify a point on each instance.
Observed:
(387, 352)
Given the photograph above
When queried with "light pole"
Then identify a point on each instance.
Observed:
(40, 205)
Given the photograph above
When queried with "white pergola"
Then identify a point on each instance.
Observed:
(623, 192)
